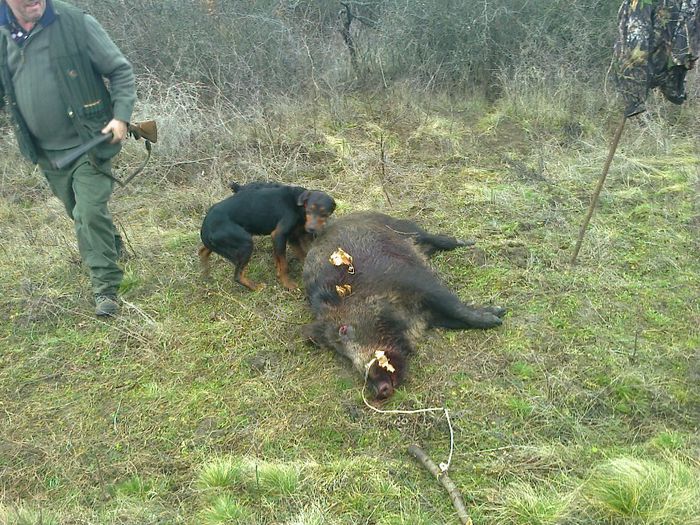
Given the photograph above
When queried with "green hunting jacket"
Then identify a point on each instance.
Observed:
(54, 83)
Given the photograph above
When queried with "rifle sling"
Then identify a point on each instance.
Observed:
(130, 177)
(140, 168)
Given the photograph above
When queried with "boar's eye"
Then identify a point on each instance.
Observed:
(345, 331)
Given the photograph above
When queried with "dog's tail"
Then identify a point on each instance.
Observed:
(234, 186)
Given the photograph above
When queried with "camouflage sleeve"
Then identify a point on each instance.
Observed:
(686, 38)
(657, 44)
(631, 53)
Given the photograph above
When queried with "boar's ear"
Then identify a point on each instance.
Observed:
(303, 197)
(315, 332)
(323, 298)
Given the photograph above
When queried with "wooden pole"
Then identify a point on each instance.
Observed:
(596, 193)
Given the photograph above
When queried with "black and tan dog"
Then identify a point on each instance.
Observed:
(291, 214)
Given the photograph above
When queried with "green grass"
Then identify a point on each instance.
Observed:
(225, 510)
(25, 516)
(220, 473)
(628, 490)
(135, 487)
(202, 403)
(523, 504)
(277, 480)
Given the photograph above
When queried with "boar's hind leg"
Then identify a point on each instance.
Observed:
(430, 243)
(427, 242)
(447, 311)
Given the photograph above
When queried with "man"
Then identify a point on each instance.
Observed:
(54, 60)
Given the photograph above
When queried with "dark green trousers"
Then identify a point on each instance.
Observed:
(84, 190)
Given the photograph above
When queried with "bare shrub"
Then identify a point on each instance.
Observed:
(247, 48)
(242, 48)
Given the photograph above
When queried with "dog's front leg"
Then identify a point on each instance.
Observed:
(279, 248)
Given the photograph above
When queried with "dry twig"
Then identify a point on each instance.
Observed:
(444, 480)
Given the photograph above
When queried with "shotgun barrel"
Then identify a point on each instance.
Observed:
(146, 130)
(68, 159)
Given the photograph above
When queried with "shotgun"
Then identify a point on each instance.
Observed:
(146, 130)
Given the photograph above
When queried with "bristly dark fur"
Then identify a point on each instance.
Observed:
(394, 294)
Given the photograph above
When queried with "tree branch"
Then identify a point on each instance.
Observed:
(445, 481)
(345, 31)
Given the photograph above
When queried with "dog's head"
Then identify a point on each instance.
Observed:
(318, 206)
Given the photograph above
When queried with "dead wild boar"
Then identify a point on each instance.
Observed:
(373, 294)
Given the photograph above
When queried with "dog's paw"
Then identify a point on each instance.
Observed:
(290, 285)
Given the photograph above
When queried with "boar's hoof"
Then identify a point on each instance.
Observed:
(491, 320)
(496, 310)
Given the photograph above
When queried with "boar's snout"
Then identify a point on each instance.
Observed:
(382, 382)
(384, 390)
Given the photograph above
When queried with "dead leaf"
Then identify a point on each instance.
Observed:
(383, 361)
(343, 290)
(341, 257)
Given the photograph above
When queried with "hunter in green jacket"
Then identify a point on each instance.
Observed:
(54, 60)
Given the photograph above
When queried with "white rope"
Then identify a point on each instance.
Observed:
(444, 467)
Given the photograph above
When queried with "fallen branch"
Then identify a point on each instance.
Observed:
(445, 481)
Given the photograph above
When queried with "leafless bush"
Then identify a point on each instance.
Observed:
(249, 48)
(177, 106)
(243, 49)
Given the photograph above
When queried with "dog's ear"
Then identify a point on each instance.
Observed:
(301, 200)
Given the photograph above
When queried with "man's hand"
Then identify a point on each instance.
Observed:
(117, 128)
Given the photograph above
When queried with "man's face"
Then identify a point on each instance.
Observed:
(27, 11)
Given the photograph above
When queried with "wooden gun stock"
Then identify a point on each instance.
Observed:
(147, 130)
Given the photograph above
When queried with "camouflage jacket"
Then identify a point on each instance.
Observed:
(658, 42)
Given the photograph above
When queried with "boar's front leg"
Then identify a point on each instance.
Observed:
(447, 311)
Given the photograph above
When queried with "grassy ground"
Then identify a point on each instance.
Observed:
(202, 403)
